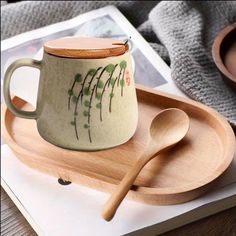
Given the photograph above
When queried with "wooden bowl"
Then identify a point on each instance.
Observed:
(224, 54)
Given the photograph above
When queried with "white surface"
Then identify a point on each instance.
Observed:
(53, 209)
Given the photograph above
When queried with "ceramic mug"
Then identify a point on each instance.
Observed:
(86, 96)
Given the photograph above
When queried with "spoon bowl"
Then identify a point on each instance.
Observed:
(167, 128)
(164, 130)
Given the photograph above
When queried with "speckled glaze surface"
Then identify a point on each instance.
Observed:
(87, 104)
(82, 104)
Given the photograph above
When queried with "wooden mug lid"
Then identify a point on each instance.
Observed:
(84, 47)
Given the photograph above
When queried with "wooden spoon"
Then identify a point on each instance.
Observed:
(167, 129)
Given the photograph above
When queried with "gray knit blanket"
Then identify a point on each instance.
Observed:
(182, 33)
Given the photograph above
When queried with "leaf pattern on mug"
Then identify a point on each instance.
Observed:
(94, 85)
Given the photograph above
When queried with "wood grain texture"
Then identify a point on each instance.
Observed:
(85, 48)
(207, 150)
(168, 128)
(12, 221)
(220, 224)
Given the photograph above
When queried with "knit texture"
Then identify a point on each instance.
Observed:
(181, 32)
(3, 3)
(188, 29)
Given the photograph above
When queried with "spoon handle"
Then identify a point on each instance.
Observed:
(116, 198)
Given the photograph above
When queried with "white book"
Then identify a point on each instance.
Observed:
(54, 209)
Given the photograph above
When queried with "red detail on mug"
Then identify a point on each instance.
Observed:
(127, 78)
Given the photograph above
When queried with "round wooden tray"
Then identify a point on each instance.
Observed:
(178, 175)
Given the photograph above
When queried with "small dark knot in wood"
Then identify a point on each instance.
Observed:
(63, 182)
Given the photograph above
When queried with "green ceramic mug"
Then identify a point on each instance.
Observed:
(86, 96)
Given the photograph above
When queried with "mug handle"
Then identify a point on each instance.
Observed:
(6, 87)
